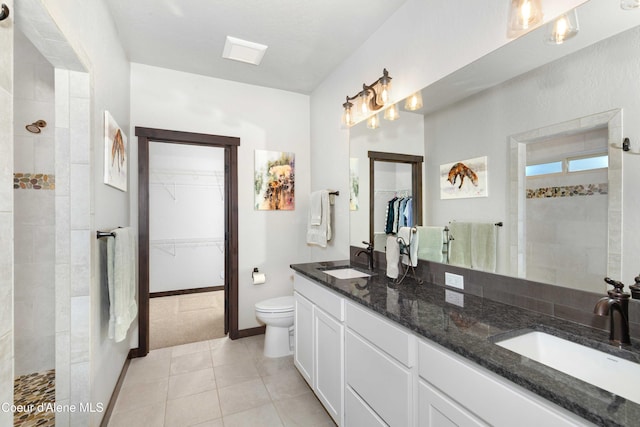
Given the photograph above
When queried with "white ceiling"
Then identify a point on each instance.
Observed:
(307, 39)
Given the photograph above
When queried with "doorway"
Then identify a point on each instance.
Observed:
(228, 241)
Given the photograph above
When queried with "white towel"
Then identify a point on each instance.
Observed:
(315, 208)
(484, 246)
(121, 277)
(320, 234)
(412, 240)
(393, 256)
(431, 241)
(460, 246)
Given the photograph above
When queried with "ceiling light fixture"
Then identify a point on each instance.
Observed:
(243, 51)
(523, 16)
(630, 4)
(370, 99)
(562, 29)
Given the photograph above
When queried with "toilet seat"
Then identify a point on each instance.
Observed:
(276, 305)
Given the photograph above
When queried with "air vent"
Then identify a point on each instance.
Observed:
(243, 51)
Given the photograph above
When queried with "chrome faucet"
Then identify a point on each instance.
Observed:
(368, 252)
(616, 305)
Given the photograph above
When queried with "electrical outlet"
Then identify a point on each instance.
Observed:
(453, 297)
(454, 280)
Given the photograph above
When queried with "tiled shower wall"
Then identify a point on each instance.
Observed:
(6, 215)
(34, 211)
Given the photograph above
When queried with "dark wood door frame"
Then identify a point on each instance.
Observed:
(416, 182)
(230, 145)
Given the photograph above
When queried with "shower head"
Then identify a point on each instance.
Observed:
(35, 126)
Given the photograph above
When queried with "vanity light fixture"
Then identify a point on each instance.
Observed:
(630, 4)
(562, 29)
(370, 99)
(373, 122)
(392, 112)
(414, 102)
(523, 16)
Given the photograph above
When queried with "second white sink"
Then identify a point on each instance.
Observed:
(346, 273)
(611, 373)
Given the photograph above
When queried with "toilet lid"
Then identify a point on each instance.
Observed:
(276, 305)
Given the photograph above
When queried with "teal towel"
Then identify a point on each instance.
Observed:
(483, 247)
(460, 246)
(430, 246)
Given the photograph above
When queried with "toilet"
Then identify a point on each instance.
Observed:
(277, 314)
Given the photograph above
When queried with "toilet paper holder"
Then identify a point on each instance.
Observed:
(258, 278)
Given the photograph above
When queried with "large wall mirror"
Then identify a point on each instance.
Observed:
(529, 104)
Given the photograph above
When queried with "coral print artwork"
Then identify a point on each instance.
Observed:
(115, 154)
(274, 180)
(466, 178)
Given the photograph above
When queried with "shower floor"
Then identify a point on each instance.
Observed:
(34, 389)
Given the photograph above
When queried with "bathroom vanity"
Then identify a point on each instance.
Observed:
(376, 353)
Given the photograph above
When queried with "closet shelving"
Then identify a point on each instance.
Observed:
(169, 246)
(171, 179)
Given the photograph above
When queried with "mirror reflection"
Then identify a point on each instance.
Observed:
(559, 112)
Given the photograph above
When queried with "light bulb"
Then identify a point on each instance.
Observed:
(523, 15)
(562, 28)
(413, 102)
(373, 122)
(347, 114)
(391, 113)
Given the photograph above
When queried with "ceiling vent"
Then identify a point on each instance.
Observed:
(243, 51)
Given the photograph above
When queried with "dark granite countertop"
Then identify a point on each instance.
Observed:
(471, 330)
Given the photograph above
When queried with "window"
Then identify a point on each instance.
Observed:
(569, 165)
(587, 163)
(543, 169)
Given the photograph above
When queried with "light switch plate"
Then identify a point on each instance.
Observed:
(454, 280)
(453, 297)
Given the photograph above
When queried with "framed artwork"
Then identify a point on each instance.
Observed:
(354, 181)
(463, 179)
(274, 180)
(115, 154)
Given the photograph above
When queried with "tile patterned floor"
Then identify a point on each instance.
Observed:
(34, 389)
(216, 383)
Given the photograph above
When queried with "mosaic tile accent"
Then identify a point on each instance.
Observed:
(33, 181)
(29, 392)
(568, 191)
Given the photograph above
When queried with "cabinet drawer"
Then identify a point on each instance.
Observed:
(358, 413)
(327, 300)
(481, 391)
(383, 383)
(438, 410)
(382, 333)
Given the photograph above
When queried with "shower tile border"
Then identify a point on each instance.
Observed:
(568, 191)
(33, 181)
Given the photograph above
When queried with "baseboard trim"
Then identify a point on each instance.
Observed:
(243, 333)
(185, 291)
(116, 391)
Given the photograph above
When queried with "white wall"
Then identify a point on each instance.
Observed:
(579, 85)
(264, 119)
(422, 42)
(34, 210)
(186, 217)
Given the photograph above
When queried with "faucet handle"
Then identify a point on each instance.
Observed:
(617, 287)
(369, 245)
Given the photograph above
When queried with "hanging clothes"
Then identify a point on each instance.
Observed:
(399, 214)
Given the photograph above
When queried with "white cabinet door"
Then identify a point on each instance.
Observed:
(357, 413)
(329, 363)
(437, 410)
(303, 333)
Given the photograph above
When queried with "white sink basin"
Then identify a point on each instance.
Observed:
(603, 370)
(346, 273)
